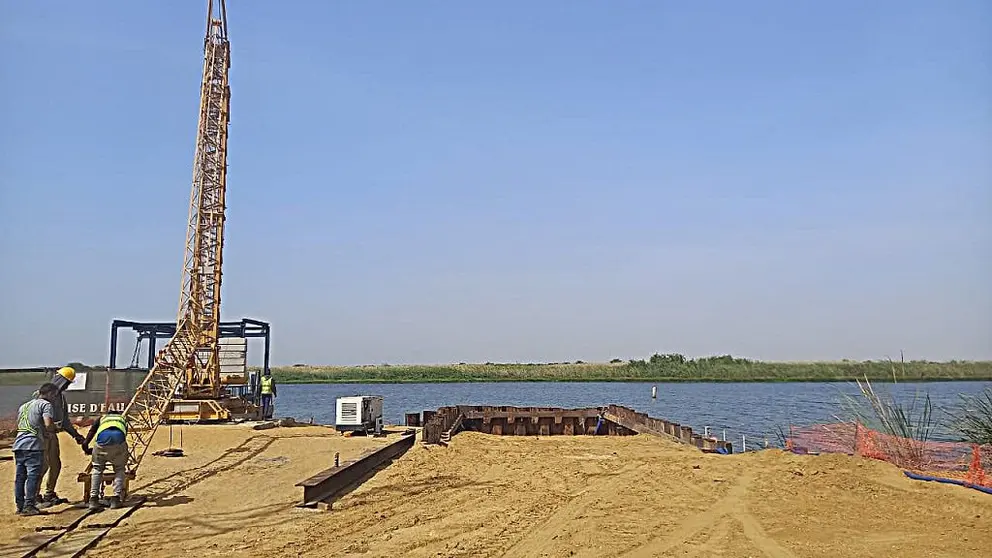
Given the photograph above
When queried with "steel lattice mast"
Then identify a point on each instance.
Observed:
(199, 302)
(189, 361)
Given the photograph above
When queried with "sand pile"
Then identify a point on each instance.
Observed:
(507, 496)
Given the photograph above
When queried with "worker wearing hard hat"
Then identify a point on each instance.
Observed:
(110, 431)
(53, 458)
(268, 392)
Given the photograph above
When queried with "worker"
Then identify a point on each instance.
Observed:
(53, 458)
(268, 393)
(34, 424)
(110, 431)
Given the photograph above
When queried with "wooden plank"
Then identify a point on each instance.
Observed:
(89, 532)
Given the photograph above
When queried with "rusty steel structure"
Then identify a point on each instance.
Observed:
(613, 420)
(187, 367)
(326, 485)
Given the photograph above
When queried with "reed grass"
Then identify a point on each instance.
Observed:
(974, 418)
(660, 368)
(909, 425)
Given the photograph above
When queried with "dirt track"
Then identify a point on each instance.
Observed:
(561, 496)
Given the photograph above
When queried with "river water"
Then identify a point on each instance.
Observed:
(757, 410)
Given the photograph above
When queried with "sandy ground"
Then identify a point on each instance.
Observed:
(507, 496)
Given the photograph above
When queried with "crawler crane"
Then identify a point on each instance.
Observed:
(185, 380)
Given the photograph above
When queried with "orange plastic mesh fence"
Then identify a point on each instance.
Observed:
(8, 426)
(960, 460)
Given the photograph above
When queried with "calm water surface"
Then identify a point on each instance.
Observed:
(756, 410)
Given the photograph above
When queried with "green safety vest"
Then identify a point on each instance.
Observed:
(112, 421)
(266, 385)
(23, 424)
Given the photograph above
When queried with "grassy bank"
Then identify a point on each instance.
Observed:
(23, 378)
(660, 368)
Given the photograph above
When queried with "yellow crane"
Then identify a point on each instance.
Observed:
(185, 380)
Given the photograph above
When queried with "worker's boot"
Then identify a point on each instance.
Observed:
(115, 502)
(94, 504)
(49, 500)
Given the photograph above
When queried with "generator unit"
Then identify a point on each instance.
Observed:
(359, 413)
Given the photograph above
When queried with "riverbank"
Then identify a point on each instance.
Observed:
(521, 496)
(720, 369)
(12, 378)
(660, 368)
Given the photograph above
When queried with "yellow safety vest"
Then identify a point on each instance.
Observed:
(112, 421)
(266, 385)
(23, 424)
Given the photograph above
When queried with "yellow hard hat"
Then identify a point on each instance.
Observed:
(68, 372)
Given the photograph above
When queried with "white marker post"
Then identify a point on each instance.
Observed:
(743, 444)
(654, 392)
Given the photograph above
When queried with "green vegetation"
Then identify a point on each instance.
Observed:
(909, 425)
(33, 376)
(974, 419)
(659, 368)
(19, 378)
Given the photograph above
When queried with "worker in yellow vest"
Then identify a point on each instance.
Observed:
(110, 432)
(52, 466)
(268, 392)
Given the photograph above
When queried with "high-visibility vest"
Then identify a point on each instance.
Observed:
(112, 421)
(266, 385)
(23, 424)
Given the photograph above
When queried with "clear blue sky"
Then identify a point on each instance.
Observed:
(511, 181)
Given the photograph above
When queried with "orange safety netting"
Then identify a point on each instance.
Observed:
(8, 426)
(971, 463)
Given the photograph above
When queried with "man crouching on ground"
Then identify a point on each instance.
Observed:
(110, 431)
(34, 424)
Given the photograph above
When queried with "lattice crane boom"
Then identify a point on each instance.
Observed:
(189, 361)
(199, 300)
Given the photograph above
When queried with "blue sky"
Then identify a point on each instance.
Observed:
(510, 181)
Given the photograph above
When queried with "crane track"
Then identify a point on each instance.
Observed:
(74, 539)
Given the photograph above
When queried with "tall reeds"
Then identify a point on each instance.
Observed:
(974, 418)
(906, 427)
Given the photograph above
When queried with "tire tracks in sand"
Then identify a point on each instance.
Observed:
(540, 539)
(730, 508)
(176, 482)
